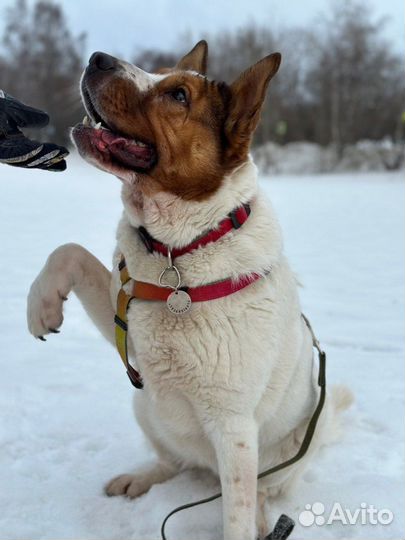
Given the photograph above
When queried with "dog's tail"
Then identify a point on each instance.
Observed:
(342, 397)
(339, 399)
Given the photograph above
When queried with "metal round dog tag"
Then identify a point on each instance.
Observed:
(178, 302)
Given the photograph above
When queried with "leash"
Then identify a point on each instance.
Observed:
(284, 525)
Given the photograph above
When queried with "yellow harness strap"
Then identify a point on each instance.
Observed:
(121, 326)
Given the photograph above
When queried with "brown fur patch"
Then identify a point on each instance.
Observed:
(188, 137)
(198, 142)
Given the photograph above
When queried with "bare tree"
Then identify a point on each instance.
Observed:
(43, 63)
(151, 60)
(339, 81)
(355, 80)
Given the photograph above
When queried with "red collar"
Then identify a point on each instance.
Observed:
(211, 291)
(234, 220)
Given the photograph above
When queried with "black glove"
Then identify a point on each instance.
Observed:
(18, 150)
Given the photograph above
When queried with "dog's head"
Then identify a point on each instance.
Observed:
(174, 131)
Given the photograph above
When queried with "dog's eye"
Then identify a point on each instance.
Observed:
(179, 95)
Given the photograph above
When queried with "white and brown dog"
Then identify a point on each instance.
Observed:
(229, 384)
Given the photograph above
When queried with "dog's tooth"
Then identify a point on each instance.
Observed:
(97, 126)
(139, 143)
(86, 121)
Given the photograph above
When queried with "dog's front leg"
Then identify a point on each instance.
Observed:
(236, 446)
(70, 268)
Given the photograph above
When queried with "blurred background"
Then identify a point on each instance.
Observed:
(336, 104)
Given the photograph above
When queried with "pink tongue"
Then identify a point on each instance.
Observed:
(125, 150)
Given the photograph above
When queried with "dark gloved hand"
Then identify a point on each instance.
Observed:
(18, 150)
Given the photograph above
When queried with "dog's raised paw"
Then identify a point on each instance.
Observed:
(129, 485)
(45, 305)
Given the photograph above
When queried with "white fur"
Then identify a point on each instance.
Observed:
(229, 386)
(143, 80)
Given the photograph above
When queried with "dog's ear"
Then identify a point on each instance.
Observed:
(247, 95)
(196, 59)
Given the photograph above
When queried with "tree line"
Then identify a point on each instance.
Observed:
(340, 81)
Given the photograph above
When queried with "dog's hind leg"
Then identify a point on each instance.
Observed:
(70, 268)
(134, 485)
(166, 466)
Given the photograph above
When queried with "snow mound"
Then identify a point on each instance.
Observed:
(311, 158)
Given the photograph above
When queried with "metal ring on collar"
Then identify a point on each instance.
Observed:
(167, 285)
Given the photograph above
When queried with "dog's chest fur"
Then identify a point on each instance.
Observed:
(225, 354)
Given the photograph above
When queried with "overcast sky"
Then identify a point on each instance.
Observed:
(123, 26)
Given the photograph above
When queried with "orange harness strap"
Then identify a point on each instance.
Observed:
(121, 326)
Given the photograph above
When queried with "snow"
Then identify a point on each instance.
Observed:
(66, 424)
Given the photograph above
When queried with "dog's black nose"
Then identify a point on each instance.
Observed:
(102, 61)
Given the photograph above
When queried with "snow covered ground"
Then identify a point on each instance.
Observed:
(66, 424)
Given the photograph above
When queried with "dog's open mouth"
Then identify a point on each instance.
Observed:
(111, 151)
(127, 152)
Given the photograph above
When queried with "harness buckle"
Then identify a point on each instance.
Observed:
(234, 219)
(119, 322)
